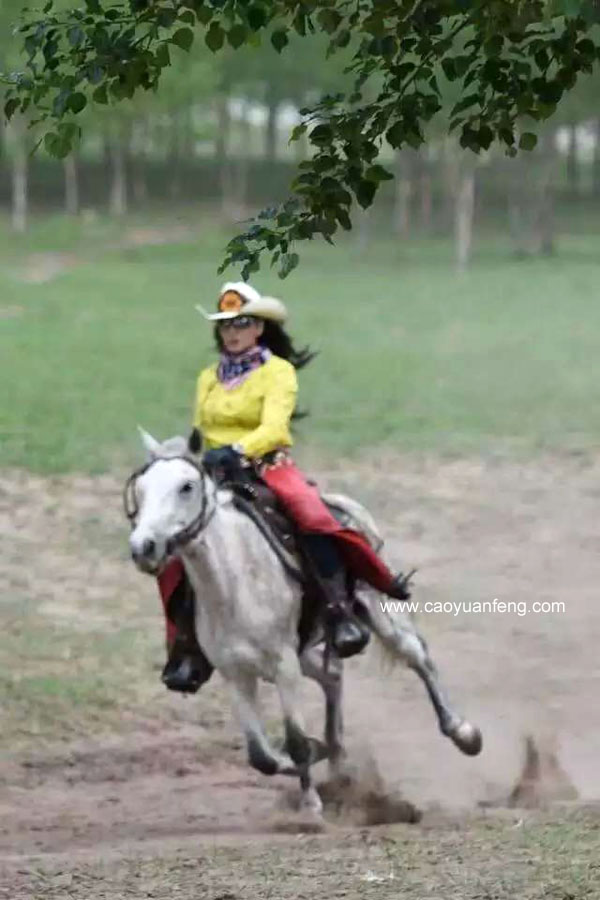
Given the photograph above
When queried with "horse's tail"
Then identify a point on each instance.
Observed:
(392, 625)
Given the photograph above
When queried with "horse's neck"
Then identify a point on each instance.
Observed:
(230, 561)
(218, 555)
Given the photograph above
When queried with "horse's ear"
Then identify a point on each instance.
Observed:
(195, 442)
(151, 444)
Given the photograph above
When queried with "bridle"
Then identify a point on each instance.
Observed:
(198, 523)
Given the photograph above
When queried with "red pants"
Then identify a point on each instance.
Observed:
(305, 507)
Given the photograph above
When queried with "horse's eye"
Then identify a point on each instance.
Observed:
(186, 488)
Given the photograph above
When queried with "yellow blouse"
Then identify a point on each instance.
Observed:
(255, 415)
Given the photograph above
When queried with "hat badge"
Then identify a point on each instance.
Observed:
(230, 301)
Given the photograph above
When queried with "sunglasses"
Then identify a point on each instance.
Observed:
(239, 323)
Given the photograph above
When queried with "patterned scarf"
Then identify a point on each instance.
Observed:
(233, 370)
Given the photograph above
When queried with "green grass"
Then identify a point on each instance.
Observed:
(413, 355)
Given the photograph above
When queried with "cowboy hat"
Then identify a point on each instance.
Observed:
(237, 298)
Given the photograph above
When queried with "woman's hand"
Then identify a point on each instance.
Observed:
(225, 458)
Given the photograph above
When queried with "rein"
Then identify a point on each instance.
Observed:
(198, 523)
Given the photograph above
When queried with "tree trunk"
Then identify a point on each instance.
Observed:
(451, 154)
(241, 168)
(71, 185)
(573, 161)
(188, 136)
(234, 176)
(138, 156)
(596, 160)
(543, 221)
(175, 158)
(463, 218)
(363, 227)
(223, 127)
(19, 177)
(271, 128)
(402, 195)
(118, 188)
(222, 154)
(3, 128)
(426, 195)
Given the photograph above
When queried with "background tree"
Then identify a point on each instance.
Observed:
(511, 60)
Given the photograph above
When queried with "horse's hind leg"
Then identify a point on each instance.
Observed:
(404, 643)
(331, 682)
(261, 755)
(303, 750)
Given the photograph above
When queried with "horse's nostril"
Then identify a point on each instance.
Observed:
(148, 547)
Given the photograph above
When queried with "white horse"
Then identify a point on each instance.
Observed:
(248, 607)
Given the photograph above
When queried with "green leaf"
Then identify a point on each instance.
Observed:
(166, 16)
(298, 131)
(329, 20)
(237, 36)
(365, 192)
(257, 17)
(95, 74)
(279, 39)
(465, 103)
(214, 37)
(184, 38)
(204, 14)
(342, 39)
(11, 106)
(494, 45)
(321, 134)
(485, 135)
(163, 57)
(527, 141)
(288, 263)
(449, 68)
(377, 173)
(344, 219)
(75, 35)
(59, 147)
(396, 135)
(77, 102)
(100, 95)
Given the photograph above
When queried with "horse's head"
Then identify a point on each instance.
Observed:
(166, 500)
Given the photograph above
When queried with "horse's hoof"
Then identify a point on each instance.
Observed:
(467, 738)
(318, 751)
(310, 803)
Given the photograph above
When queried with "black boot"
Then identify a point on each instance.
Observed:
(347, 634)
(400, 586)
(187, 667)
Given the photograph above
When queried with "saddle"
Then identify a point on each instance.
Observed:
(256, 500)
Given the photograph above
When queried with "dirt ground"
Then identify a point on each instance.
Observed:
(110, 787)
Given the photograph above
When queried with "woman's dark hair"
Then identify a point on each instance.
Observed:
(276, 338)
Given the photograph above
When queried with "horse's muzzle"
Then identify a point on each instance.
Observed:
(146, 555)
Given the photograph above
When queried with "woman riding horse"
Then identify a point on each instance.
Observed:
(244, 406)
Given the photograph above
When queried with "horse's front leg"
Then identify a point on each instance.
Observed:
(303, 750)
(330, 679)
(403, 642)
(261, 755)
